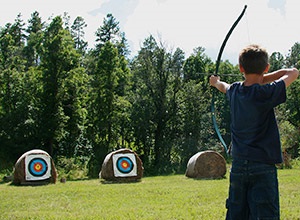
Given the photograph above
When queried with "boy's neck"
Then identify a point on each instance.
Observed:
(251, 79)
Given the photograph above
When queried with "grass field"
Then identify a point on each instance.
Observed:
(161, 198)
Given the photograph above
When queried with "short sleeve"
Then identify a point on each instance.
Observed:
(276, 92)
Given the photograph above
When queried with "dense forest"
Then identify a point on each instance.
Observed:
(81, 103)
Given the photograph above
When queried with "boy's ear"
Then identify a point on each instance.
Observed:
(267, 68)
(241, 69)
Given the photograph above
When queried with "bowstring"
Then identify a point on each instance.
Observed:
(248, 32)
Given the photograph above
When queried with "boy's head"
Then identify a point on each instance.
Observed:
(254, 60)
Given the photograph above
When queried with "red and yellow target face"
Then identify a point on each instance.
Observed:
(37, 167)
(124, 165)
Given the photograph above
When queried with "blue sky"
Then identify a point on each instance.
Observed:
(186, 24)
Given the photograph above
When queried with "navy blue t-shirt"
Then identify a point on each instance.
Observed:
(255, 134)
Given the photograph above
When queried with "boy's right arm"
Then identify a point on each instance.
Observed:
(287, 75)
(220, 85)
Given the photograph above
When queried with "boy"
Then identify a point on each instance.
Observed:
(253, 190)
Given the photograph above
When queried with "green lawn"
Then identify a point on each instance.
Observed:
(161, 198)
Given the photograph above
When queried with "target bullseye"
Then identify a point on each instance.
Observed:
(124, 165)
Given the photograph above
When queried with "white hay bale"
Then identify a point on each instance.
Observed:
(206, 165)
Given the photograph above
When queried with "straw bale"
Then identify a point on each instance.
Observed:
(19, 170)
(107, 171)
(206, 165)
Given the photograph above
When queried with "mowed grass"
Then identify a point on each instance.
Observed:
(161, 198)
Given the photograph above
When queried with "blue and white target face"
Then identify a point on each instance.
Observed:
(37, 167)
(124, 165)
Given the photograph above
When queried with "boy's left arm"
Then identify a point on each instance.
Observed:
(288, 75)
(220, 85)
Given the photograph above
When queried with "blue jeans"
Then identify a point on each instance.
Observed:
(253, 191)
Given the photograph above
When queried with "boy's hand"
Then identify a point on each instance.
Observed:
(213, 80)
(220, 85)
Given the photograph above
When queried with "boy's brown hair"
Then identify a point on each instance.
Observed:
(254, 59)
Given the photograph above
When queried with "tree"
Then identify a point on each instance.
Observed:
(108, 115)
(74, 100)
(197, 132)
(102, 111)
(289, 122)
(77, 31)
(13, 96)
(293, 58)
(110, 31)
(197, 64)
(157, 79)
(58, 60)
(17, 31)
(276, 61)
(292, 104)
(33, 48)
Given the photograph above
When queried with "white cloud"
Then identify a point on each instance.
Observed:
(187, 24)
(272, 28)
(184, 24)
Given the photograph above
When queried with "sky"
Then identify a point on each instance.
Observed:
(187, 24)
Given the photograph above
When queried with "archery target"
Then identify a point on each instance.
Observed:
(37, 167)
(124, 165)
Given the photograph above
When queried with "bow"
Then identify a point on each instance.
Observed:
(216, 73)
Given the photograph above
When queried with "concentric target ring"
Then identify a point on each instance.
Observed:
(37, 167)
(125, 165)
